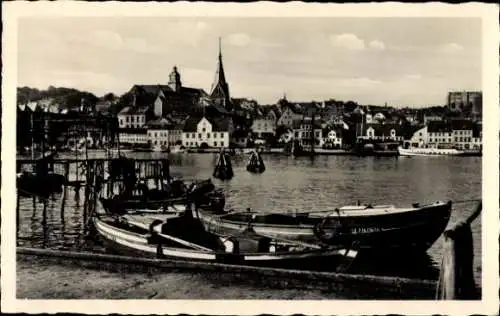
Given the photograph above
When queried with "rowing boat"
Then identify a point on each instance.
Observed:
(371, 227)
(183, 238)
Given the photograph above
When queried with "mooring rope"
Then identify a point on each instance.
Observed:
(466, 201)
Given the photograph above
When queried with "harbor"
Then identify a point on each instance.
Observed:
(61, 222)
(250, 157)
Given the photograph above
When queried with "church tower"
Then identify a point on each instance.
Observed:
(174, 80)
(220, 90)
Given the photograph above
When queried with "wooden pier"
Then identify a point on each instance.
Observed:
(97, 177)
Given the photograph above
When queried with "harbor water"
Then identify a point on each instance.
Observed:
(295, 184)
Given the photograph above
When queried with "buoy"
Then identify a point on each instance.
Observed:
(223, 168)
(255, 163)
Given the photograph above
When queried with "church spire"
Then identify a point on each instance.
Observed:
(220, 89)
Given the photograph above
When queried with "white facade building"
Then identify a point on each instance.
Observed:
(204, 132)
(130, 117)
(134, 137)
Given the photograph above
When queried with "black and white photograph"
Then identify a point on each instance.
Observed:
(243, 154)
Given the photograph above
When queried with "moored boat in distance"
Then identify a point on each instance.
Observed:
(372, 227)
(176, 149)
(160, 148)
(410, 150)
(430, 152)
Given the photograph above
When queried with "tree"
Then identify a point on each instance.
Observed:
(110, 97)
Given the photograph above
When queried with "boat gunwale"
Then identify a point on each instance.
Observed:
(316, 215)
(282, 255)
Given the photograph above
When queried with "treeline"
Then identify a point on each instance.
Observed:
(64, 97)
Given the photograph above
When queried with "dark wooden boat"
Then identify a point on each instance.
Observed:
(223, 167)
(32, 183)
(203, 193)
(371, 227)
(415, 228)
(183, 238)
(255, 163)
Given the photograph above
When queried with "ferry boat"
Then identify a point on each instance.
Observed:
(409, 149)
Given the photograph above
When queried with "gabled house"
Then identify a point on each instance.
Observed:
(264, 123)
(382, 132)
(289, 114)
(200, 132)
(307, 131)
(332, 137)
(133, 117)
(158, 132)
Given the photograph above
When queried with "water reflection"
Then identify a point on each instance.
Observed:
(289, 184)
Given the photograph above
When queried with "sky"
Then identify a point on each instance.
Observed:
(398, 61)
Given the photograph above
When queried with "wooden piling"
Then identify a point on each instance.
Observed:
(456, 279)
(18, 197)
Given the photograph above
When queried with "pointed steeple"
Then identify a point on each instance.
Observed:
(220, 89)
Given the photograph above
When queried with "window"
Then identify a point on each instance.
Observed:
(193, 135)
(121, 121)
(222, 136)
(215, 144)
(187, 135)
(203, 129)
(222, 144)
(199, 135)
(127, 119)
(208, 135)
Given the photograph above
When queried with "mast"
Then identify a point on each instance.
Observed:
(312, 132)
(32, 137)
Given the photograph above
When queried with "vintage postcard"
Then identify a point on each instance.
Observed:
(250, 158)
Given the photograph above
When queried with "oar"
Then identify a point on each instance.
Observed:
(295, 242)
(180, 241)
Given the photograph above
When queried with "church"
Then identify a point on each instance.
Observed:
(174, 99)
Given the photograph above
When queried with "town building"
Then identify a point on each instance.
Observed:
(175, 134)
(133, 136)
(459, 134)
(468, 102)
(175, 98)
(305, 131)
(432, 117)
(382, 132)
(133, 117)
(466, 135)
(332, 137)
(204, 132)
(158, 132)
(264, 123)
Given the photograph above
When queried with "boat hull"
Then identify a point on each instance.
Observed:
(123, 242)
(434, 152)
(417, 228)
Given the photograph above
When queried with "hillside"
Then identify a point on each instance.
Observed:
(64, 97)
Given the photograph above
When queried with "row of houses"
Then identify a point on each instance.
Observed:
(460, 134)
